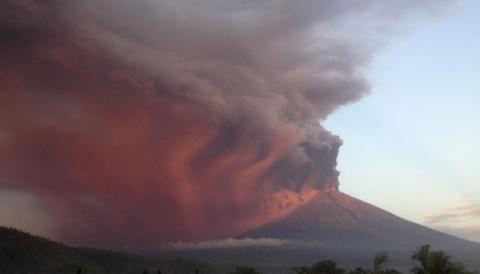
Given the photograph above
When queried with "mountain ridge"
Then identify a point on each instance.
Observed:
(335, 216)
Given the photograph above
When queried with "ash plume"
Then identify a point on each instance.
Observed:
(149, 120)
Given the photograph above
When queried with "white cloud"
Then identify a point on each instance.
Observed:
(229, 243)
(462, 221)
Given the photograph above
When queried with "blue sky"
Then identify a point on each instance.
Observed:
(413, 145)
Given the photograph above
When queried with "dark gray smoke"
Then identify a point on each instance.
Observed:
(136, 121)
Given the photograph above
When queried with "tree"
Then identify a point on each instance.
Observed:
(80, 270)
(245, 270)
(379, 262)
(359, 270)
(392, 271)
(323, 267)
(435, 262)
(326, 267)
(301, 270)
(378, 266)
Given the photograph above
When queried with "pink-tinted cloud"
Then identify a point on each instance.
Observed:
(454, 214)
(140, 121)
(463, 221)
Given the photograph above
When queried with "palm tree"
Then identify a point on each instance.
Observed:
(379, 262)
(435, 262)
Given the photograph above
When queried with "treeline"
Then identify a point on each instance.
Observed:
(426, 260)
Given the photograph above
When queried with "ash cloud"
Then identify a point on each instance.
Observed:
(141, 121)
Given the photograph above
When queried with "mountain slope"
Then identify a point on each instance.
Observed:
(336, 218)
(334, 225)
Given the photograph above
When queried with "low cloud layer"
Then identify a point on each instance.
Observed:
(228, 243)
(463, 221)
(140, 121)
(454, 214)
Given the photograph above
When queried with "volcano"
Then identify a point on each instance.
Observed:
(334, 225)
(335, 218)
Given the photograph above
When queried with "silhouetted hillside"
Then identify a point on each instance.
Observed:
(22, 253)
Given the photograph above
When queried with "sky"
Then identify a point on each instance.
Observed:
(412, 146)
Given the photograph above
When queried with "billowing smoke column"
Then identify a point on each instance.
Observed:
(134, 122)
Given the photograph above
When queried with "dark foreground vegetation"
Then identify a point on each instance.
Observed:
(427, 261)
(22, 253)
